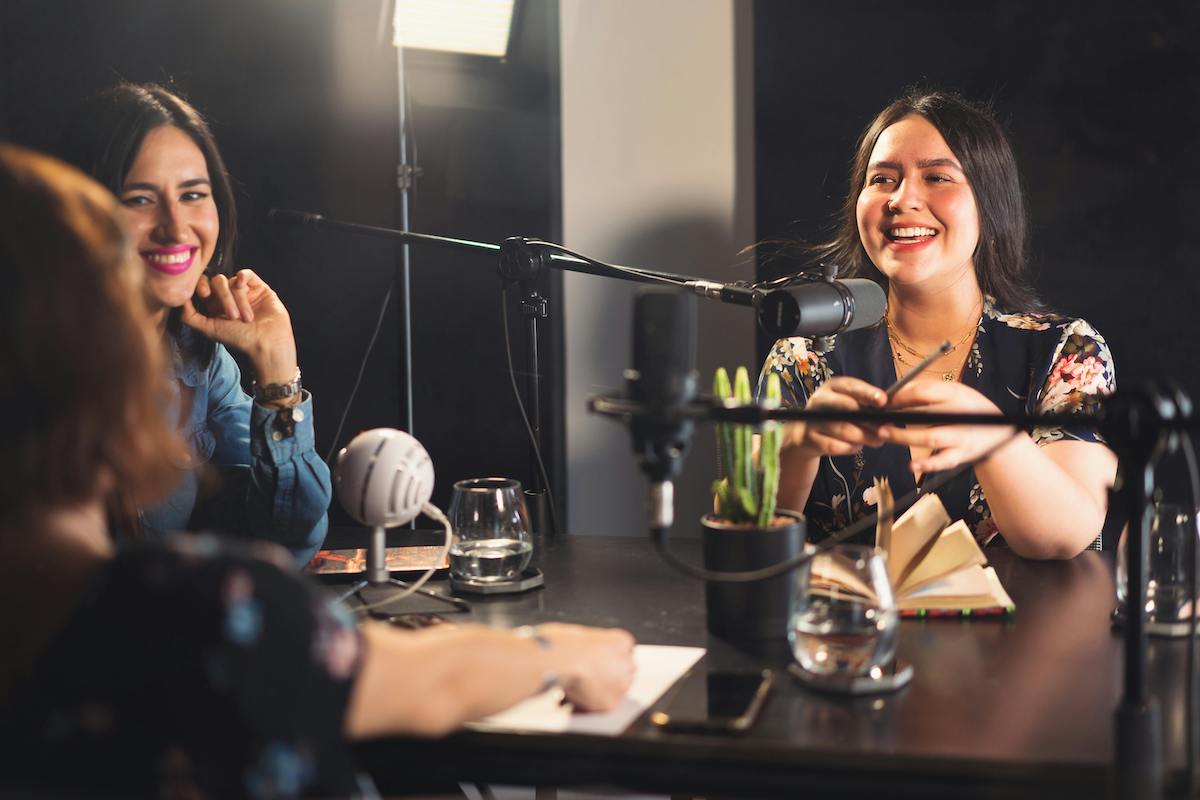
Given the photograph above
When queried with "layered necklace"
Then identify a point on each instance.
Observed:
(905, 363)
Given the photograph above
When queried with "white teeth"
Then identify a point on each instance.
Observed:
(173, 258)
(909, 233)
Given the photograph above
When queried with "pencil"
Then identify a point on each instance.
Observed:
(921, 366)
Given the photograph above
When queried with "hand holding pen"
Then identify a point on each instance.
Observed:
(936, 448)
(844, 393)
(942, 349)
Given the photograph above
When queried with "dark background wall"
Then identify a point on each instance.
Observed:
(302, 95)
(1100, 101)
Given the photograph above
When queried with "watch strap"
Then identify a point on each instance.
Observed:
(274, 392)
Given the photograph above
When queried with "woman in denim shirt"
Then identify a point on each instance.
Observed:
(157, 155)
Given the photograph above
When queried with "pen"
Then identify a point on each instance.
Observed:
(921, 366)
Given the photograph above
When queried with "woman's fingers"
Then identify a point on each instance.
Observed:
(194, 319)
(939, 461)
(224, 297)
(858, 390)
(840, 438)
(914, 436)
(240, 287)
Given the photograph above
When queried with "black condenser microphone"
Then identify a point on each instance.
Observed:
(663, 380)
(821, 308)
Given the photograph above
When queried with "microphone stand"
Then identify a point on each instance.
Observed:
(1140, 425)
(521, 261)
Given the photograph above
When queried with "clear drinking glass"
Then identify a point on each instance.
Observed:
(492, 543)
(844, 619)
(1173, 538)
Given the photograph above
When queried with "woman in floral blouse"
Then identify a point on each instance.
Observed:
(189, 667)
(935, 215)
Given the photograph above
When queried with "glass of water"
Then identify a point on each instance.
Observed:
(844, 620)
(1173, 539)
(492, 543)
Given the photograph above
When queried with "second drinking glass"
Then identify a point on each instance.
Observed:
(492, 542)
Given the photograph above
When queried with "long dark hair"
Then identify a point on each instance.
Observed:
(978, 141)
(107, 132)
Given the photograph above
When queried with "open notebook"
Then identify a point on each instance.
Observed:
(936, 568)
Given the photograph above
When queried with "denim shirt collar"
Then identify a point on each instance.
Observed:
(187, 369)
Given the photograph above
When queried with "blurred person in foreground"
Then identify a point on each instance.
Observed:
(191, 666)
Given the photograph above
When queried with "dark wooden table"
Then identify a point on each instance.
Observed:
(1018, 708)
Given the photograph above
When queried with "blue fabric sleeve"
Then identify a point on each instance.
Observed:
(274, 487)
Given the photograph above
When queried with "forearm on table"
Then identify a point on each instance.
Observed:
(1050, 501)
(429, 682)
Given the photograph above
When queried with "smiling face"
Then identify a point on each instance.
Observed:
(917, 217)
(168, 208)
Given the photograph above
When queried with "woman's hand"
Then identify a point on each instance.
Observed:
(814, 439)
(247, 316)
(599, 663)
(946, 446)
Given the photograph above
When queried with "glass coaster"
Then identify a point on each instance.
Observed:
(531, 578)
(891, 677)
(1165, 630)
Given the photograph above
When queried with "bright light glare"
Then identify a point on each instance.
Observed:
(461, 26)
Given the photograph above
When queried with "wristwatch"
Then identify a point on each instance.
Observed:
(274, 392)
(531, 632)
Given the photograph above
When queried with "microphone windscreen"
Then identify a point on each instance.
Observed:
(383, 477)
(870, 302)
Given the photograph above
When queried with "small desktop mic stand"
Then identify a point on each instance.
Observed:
(377, 575)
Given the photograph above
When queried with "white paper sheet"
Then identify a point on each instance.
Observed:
(658, 667)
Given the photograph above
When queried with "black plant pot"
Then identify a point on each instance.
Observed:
(758, 610)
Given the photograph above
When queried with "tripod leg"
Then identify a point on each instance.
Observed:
(459, 603)
(353, 590)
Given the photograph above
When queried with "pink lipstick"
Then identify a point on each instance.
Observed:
(173, 260)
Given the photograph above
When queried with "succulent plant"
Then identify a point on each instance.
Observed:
(748, 490)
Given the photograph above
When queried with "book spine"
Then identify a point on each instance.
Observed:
(956, 613)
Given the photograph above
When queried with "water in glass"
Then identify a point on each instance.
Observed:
(492, 541)
(844, 618)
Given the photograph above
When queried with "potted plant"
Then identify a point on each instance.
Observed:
(747, 531)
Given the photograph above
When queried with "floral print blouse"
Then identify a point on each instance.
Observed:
(194, 669)
(1037, 363)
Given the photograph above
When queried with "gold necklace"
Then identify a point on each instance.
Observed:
(947, 376)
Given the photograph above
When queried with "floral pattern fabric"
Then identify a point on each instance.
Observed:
(192, 669)
(1038, 363)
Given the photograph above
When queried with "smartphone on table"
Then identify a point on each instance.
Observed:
(724, 702)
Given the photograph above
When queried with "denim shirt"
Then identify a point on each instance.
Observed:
(271, 486)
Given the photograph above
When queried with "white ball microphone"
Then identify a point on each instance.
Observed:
(384, 478)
